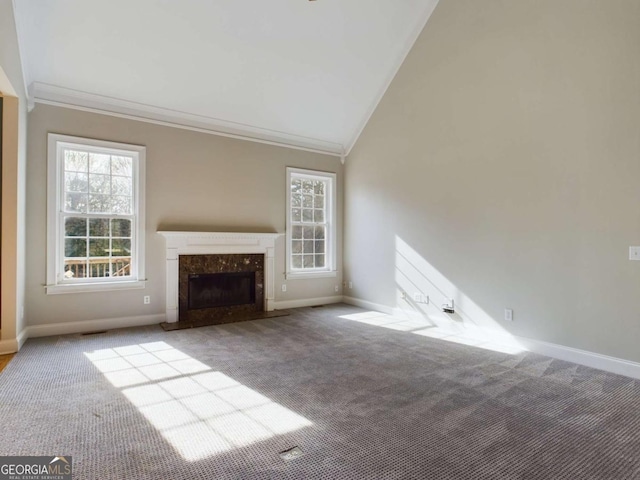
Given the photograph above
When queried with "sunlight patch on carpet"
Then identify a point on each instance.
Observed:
(472, 337)
(200, 412)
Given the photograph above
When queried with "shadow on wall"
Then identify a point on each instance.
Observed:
(422, 291)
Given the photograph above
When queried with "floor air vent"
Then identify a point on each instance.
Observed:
(291, 454)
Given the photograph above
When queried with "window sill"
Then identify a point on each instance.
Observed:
(323, 274)
(93, 287)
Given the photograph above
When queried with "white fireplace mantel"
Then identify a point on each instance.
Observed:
(210, 243)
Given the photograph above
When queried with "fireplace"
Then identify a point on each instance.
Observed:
(194, 247)
(210, 290)
(216, 287)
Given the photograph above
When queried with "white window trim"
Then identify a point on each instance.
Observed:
(54, 201)
(330, 269)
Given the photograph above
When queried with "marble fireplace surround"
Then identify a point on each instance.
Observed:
(208, 243)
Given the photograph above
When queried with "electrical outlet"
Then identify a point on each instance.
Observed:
(508, 315)
(337, 288)
(350, 284)
(284, 287)
(403, 295)
(147, 299)
(420, 298)
(634, 253)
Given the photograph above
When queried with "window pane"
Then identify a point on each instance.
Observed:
(98, 227)
(98, 247)
(296, 233)
(122, 205)
(75, 269)
(99, 267)
(318, 188)
(75, 161)
(122, 166)
(296, 200)
(296, 246)
(100, 203)
(319, 232)
(121, 267)
(307, 201)
(75, 227)
(296, 261)
(318, 216)
(319, 246)
(120, 247)
(296, 215)
(99, 183)
(120, 227)
(122, 186)
(307, 215)
(76, 182)
(319, 261)
(307, 233)
(99, 163)
(307, 246)
(296, 186)
(75, 247)
(318, 201)
(75, 202)
(308, 261)
(307, 186)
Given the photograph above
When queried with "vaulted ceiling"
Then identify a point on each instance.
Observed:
(295, 72)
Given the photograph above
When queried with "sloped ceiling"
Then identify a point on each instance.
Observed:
(296, 72)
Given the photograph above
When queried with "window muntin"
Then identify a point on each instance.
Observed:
(95, 212)
(310, 222)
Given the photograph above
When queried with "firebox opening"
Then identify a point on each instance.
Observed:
(221, 289)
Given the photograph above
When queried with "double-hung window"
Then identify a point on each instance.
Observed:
(311, 218)
(95, 227)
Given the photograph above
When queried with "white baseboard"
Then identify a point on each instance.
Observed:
(14, 344)
(569, 354)
(358, 302)
(65, 328)
(582, 357)
(23, 336)
(8, 346)
(306, 302)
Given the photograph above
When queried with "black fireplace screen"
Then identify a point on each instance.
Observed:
(221, 289)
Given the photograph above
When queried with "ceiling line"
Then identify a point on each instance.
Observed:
(411, 40)
(68, 98)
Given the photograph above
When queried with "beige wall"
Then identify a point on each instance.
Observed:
(13, 181)
(504, 161)
(195, 181)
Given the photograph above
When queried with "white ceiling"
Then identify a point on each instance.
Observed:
(306, 74)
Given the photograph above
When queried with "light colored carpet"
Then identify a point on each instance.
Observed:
(361, 401)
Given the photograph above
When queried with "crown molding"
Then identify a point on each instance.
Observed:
(65, 97)
(426, 15)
